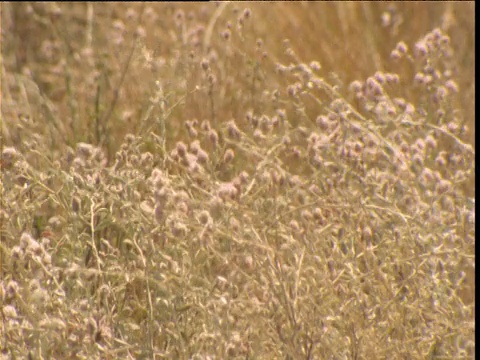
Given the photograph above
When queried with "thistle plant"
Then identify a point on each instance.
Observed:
(176, 184)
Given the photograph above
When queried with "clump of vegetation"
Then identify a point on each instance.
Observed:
(176, 186)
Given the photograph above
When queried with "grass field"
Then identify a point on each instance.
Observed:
(237, 180)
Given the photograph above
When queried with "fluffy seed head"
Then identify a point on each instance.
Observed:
(202, 156)
(440, 160)
(181, 149)
(443, 186)
(417, 159)
(421, 49)
(430, 142)
(213, 137)
(204, 217)
(205, 125)
(205, 64)
(367, 232)
(84, 150)
(419, 78)
(315, 66)
(228, 156)
(232, 129)
(355, 86)
(453, 127)
(294, 225)
(226, 34)
(9, 157)
(258, 135)
(227, 191)
(452, 86)
(380, 77)
(402, 47)
(195, 147)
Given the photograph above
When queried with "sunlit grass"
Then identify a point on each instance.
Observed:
(210, 181)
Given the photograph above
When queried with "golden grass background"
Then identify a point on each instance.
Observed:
(128, 231)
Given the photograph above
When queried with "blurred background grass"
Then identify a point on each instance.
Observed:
(77, 53)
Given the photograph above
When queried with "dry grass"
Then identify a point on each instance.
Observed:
(180, 181)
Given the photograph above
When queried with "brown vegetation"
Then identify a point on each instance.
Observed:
(226, 180)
